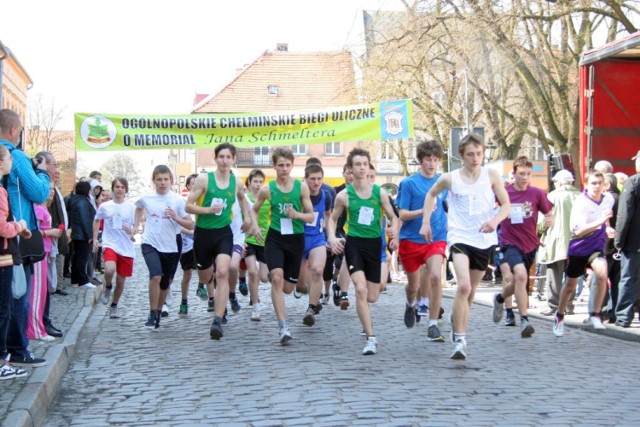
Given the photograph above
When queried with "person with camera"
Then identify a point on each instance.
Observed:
(27, 183)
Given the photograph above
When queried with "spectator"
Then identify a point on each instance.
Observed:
(81, 214)
(613, 262)
(555, 239)
(27, 184)
(59, 245)
(9, 256)
(628, 241)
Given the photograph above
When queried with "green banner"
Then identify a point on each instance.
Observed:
(367, 122)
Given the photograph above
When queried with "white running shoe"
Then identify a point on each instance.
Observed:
(558, 326)
(113, 313)
(285, 335)
(460, 350)
(255, 315)
(371, 347)
(105, 297)
(46, 338)
(165, 310)
(596, 322)
(88, 285)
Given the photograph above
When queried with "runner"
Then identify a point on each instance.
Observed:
(472, 224)
(315, 252)
(165, 215)
(414, 252)
(211, 200)
(254, 258)
(590, 226)
(362, 201)
(117, 242)
(341, 285)
(187, 260)
(284, 245)
(519, 241)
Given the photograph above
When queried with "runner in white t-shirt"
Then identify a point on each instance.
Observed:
(165, 215)
(117, 241)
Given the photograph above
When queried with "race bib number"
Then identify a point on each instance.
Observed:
(474, 204)
(116, 222)
(517, 214)
(217, 201)
(315, 220)
(286, 226)
(365, 215)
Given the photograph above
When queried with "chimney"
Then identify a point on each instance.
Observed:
(282, 47)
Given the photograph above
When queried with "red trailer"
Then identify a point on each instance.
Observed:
(610, 105)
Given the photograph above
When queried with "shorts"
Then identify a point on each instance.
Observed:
(124, 264)
(478, 258)
(284, 252)
(513, 256)
(257, 251)
(160, 264)
(208, 243)
(577, 265)
(312, 243)
(327, 274)
(239, 249)
(187, 261)
(413, 255)
(363, 254)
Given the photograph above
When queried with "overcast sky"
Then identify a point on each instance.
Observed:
(153, 56)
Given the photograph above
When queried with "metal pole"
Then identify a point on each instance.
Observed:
(466, 102)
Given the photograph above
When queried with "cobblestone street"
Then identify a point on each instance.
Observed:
(125, 374)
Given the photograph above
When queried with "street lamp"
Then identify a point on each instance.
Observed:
(489, 151)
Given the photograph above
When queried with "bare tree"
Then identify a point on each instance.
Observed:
(42, 119)
(509, 66)
(124, 166)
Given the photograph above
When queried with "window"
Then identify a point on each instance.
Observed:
(387, 151)
(273, 89)
(261, 156)
(299, 149)
(333, 149)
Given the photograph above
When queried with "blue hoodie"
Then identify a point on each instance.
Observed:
(34, 186)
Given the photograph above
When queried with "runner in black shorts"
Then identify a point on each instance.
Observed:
(290, 209)
(363, 202)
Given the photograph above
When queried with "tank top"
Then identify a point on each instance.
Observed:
(364, 215)
(279, 202)
(226, 196)
(471, 205)
(315, 228)
(263, 219)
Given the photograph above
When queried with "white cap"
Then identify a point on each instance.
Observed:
(563, 176)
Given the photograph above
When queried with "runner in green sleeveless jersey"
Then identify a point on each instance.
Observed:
(211, 200)
(363, 201)
(254, 258)
(284, 244)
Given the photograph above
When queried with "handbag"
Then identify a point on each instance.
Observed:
(32, 249)
(18, 282)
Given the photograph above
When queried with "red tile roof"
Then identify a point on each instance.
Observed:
(304, 80)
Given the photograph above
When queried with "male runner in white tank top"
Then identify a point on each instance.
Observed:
(471, 229)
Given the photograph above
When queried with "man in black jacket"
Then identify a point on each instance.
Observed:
(628, 241)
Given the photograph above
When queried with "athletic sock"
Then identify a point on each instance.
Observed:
(424, 301)
(232, 295)
(459, 337)
(433, 322)
(499, 298)
(524, 318)
(510, 311)
(282, 323)
(184, 301)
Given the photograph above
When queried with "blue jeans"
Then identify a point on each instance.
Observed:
(6, 274)
(17, 341)
(628, 286)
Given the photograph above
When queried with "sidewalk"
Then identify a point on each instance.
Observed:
(484, 296)
(25, 401)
